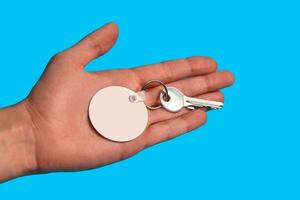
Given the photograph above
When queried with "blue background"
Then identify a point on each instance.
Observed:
(249, 150)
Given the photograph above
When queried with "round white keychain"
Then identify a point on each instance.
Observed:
(118, 113)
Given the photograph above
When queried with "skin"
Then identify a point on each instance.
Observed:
(50, 130)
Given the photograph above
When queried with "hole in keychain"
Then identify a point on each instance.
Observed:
(165, 95)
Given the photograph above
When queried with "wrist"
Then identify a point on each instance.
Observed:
(17, 142)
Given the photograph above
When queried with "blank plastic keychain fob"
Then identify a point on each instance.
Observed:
(115, 116)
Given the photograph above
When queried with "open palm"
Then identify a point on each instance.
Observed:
(58, 105)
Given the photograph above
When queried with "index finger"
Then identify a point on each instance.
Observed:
(176, 69)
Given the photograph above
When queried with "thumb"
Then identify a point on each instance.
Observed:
(93, 45)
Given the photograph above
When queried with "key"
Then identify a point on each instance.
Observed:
(177, 100)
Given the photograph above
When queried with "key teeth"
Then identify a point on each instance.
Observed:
(216, 107)
(190, 107)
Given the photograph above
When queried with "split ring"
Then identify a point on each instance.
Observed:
(166, 95)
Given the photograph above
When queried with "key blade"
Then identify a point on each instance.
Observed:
(207, 104)
(194, 102)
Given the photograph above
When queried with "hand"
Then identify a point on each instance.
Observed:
(61, 135)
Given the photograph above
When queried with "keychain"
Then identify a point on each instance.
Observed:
(120, 114)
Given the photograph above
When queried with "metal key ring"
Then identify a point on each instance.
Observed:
(165, 90)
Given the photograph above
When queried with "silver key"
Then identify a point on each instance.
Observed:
(178, 100)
